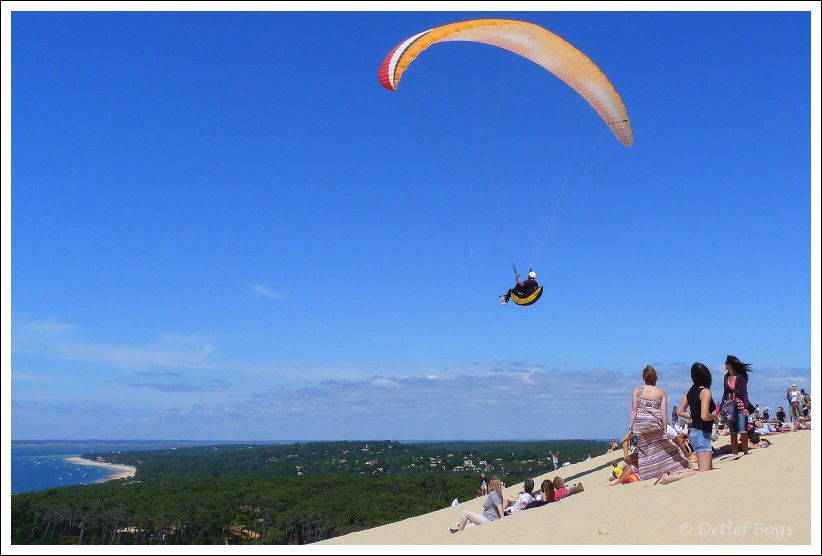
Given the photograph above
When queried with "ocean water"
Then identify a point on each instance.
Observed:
(41, 464)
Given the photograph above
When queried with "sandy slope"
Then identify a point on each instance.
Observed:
(762, 498)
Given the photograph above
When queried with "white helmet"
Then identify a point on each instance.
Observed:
(532, 274)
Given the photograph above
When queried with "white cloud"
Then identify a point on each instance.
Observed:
(44, 327)
(265, 292)
(514, 402)
(141, 420)
(62, 341)
(494, 400)
(386, 383)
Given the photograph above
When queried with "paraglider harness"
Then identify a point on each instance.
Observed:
(525, 293)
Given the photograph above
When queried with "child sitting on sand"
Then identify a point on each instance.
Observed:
(616, 470)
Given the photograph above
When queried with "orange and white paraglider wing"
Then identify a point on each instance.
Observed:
(539, 45)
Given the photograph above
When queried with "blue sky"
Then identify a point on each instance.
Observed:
(223, 227)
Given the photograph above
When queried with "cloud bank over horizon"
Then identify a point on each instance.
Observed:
(503, 400)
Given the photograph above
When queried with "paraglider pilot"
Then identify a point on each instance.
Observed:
(522, 289)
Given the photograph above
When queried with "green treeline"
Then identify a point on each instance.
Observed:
(295, 493)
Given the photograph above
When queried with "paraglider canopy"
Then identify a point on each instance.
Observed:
(539, 45)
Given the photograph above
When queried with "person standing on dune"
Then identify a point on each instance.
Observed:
(649, 423)
(735, 388)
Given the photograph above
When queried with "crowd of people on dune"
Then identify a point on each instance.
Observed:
(497, 505)
(662, 449)
(667, 450)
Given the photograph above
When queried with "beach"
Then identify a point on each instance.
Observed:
(117, 471)
(761, 498)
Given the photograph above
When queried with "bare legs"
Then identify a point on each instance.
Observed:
(704, 461)
(626, 473)
(472, 519)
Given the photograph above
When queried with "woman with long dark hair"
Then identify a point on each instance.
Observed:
(546, 495)
(700, 410)
(735, 387)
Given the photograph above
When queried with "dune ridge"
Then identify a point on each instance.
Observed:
(761, 498)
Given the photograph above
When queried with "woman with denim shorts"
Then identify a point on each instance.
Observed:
(700, 410)
(735, 386)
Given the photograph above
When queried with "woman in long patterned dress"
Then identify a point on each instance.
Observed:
(649, 421)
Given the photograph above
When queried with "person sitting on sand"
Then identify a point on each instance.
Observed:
(628, 475)
(523, 498)
(801, 423)
(780, 415)
(629, 465)
(545, 495)
(679, 439)
(614, 446)
(617, 467)
(561, 492)
(492, 509)
(756, 415)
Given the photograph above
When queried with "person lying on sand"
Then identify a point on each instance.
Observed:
(561, 492)
(758, 442)
(523, 498)
(545, 495)
(763, 428)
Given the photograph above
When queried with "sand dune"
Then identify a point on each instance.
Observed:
(762, 498)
